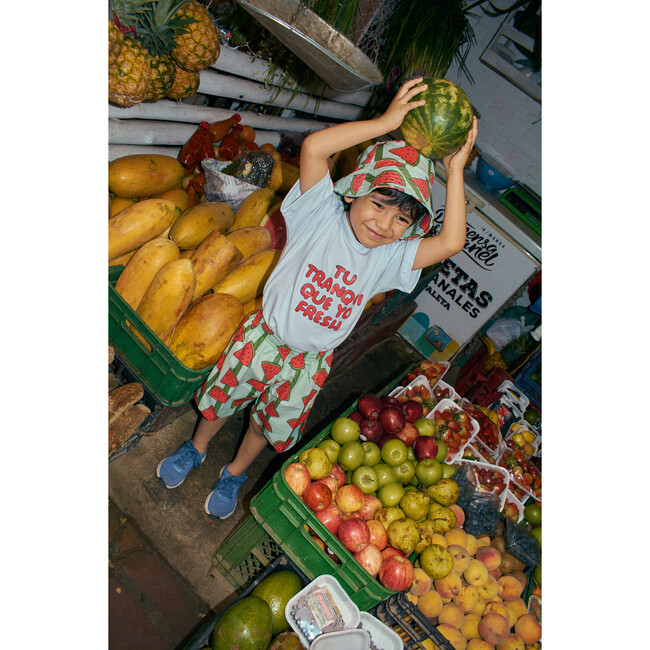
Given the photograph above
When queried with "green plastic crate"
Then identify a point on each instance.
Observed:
(171, 382)
(285, 517)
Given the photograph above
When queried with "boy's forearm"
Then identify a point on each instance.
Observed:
(453, 229)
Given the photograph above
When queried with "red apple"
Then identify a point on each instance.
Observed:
(408, 433)
(356, 416)
(297, 477)
(349, 498)
(333, 555)
(387, 400)
(371, 430)
(339, 473)
(378, 534)
(317, 496)
(331, 481)
(387, 551)
(371, 505)
(392, 418)
(396, 573)
(369, 405)
(425, 447)
(369, 557)
(330, 517)
(353, 533)
(412, 410)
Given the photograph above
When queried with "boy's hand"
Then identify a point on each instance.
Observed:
(401, 104)
(458, 160)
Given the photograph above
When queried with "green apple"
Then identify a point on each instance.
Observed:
(410, 454)
(393, 452)
(351, 455)
(404, 472)
(345, 430)
(428, 471)
(449, 471)
(330, 447)
(385, 474)
(425, 426)
(442, 451)
(390, 494)
(365, 478)
(372, 453)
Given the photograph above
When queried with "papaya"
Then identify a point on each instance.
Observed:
(118, 203)
(252, 305)
(168, 296)
(197, 222)
(141, 269)
(246, 625)
(205, 329)
(187, 253)
(253, 208)
(137, 224)
(277, 589)
(212, 259)
(250, 240)
(140, 175)
(122, 260)
(178, 195)
(283, 176)
(246, 281)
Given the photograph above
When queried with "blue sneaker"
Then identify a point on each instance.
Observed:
(173, 469)
(222, 501)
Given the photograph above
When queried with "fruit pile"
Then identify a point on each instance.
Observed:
(193, 270)
(454, 427)
(526, 479)
(489, 433)
(432, 370)
(156, 49)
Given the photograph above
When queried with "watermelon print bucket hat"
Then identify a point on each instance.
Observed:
(393, 164)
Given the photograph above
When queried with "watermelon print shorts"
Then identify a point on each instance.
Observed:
(258, 368)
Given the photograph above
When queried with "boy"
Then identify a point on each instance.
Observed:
(338, 255)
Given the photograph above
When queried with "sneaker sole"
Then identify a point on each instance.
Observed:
(162, 480)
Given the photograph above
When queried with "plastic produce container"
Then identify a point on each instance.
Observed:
(474, 427)
(419, 382)
(171, 382)
(203, 637)
(288, 521)
(483, 486)
(443, 390)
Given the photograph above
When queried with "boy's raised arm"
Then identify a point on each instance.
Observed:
(319, 146)
(451, 238)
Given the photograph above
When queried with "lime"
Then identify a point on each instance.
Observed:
(533, 514)
(531, 416)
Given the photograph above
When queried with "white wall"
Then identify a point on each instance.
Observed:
(510, 125)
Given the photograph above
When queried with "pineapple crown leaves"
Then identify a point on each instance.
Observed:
(127, 14)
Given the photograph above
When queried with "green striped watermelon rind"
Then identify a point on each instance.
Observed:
(441, 126)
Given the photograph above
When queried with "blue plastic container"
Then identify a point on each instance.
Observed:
(490, 177)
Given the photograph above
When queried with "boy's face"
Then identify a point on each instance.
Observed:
(374, 222)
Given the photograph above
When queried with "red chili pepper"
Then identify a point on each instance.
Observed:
(230, 143)
(190, 153)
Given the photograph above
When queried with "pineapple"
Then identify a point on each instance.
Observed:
(198, 47)
(115, 40)
(163, 73)
(129, 74)
(186, 83)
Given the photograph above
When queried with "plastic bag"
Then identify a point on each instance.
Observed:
(223, 187)
(504, 330)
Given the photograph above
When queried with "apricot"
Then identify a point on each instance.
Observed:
(479, 644)
(461, 557)
(469, 628)
(521, 576)
(467, 598)
(512, 614)
(519, 605)
(499, 608)
(511, 642)
(453, 635)
(528, 628)
(422, 582)
(490, 556)
(490, 589)
(479, 607)
(456, 536)
(483, 540)
(430, 604)
(449, 586)
(451, 614)
(493, 628)
(439, 538)
(509, 587)
(472, 544)
(476, 573)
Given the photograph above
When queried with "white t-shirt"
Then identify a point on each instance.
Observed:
(319, 287)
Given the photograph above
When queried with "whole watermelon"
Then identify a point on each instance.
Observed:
(245, 625)
(440, 126)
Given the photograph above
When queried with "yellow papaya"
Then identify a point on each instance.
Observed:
(252, 305)
(205, 329)
(197, 222)
(178, 195)
(250, 240)
(212, 259)
(168, 296)
(137, 176)
(253, 208)
(290, 174)
(142, 268)
(122, 260)
(137, 224)
(118, 203)
(246, 281)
